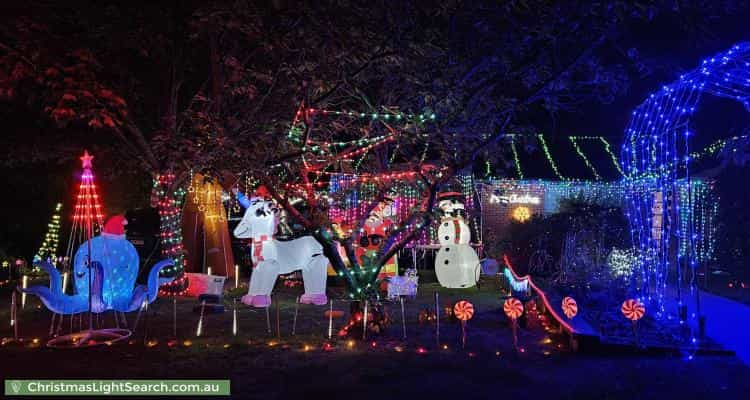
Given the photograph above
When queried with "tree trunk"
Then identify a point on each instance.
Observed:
(377, 320)
(169, 204)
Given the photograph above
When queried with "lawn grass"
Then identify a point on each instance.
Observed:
(263, 365)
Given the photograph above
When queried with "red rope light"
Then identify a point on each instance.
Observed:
(541, 294)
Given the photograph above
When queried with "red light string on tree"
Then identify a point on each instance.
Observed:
(372, 178)
(324, 147)
(308, 186)
(351, 153)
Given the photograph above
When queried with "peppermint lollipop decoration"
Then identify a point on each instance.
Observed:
(569, 307)
(633, 310)
(513, 309)
(463, 311)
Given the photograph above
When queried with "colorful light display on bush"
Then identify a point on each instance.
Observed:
(621, 263)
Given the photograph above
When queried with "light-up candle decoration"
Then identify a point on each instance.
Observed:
(174, 316)
(13, 309)
(65, 281)
(234, 319)
(199, 330)
(208, 270)
(24, 284)
(14, 315)
(330, 319)
(236, 276)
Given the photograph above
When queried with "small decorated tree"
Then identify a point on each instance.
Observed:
(51, 242)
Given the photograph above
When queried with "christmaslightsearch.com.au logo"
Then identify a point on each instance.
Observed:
(150, 387)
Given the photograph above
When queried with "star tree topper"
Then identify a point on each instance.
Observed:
(86, 159)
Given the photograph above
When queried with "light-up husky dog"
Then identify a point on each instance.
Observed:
(272, 257)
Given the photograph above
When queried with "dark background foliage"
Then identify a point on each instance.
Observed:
(547, 233)
(733, 244)
(215, 85)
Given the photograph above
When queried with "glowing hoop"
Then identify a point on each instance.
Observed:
(89, 338)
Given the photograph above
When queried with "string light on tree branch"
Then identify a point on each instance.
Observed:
(612, 155)
(583, 156)
(516, 162)
(325, 147)
(377, 116)
(352, 153)
(549, 156)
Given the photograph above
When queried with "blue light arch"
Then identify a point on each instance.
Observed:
(656, 160)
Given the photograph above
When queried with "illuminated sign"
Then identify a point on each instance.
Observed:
(515, 199)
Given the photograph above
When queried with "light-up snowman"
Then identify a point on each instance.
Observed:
(456, 263)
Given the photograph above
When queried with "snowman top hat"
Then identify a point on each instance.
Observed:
(450, 200)
(451, 191)
(450, 195)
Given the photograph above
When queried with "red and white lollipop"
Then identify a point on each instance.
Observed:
(463, 310)
(569, 307)
(513, 308)
(633, 310)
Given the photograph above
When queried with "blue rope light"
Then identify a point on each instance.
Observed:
(516, 285)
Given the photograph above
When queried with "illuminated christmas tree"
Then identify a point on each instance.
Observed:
(52, 238)
(87, 215)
